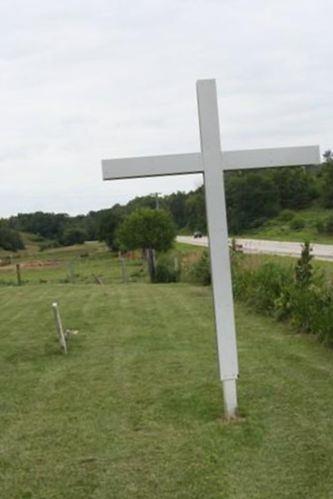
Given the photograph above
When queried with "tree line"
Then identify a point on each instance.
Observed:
(252, 197)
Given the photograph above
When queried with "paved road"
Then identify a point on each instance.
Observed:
(320, 251)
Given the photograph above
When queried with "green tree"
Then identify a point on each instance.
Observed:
(195, 210)
(149, 230)
(328, 155)
(10, 239)
(303, 268)
(327, 180)
(252, 198)
(108, 222)
(176, 204)
(73, 235)
(296, 186)
(48, 225)
(143, 202)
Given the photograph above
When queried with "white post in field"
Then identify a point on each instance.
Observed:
(59, 326)
(212, 163)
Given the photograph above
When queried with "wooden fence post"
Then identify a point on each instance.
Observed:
(18, 274)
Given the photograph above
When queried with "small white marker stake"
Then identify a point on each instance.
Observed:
(60, 329)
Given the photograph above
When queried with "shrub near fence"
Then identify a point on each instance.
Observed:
(260, 286)
(167, 269)
(273, 289)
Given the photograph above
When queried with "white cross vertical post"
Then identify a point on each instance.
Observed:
(212, 163)
(218, 241)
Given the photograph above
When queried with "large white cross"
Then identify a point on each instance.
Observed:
(212, 162)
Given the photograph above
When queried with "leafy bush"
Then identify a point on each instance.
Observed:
(10, 239)
(48, 245)
(286, 215)
(73, 235)
(262, 286)
(325, 226)
(297, 223)
(320, 226)
(200, 271)
(310, 310)
(167, 269)
(300, 295)
(36, 238)
(303, 269)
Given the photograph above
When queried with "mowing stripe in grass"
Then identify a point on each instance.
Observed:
(134, 410)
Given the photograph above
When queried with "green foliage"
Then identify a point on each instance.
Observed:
(10, 239)
(107, 225)
(325, 226)
(147, 229)
(176, 204)
(46, 245)
(328, 155)
(195, 210)
(140, 202)
(298, 295)
(167, 268)
(252, 198)
(296, 187)
(261, 286)
(303, 268)
(286, 215)
(73, 235)
(297, 223)
(327, 183)
(200, 270)
(47, 225)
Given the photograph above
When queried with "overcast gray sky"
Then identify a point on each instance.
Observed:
(84, 80)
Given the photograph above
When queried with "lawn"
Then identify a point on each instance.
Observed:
(135, 409)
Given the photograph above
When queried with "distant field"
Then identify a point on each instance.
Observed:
(74, 264)
(32, 248)
(134, 410)
(81, 264)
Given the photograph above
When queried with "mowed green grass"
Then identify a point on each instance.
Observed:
(135, 409)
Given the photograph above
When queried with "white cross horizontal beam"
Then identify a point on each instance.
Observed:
(178, 164)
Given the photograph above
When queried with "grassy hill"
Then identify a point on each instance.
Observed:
(134, 410)
(280, 229)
